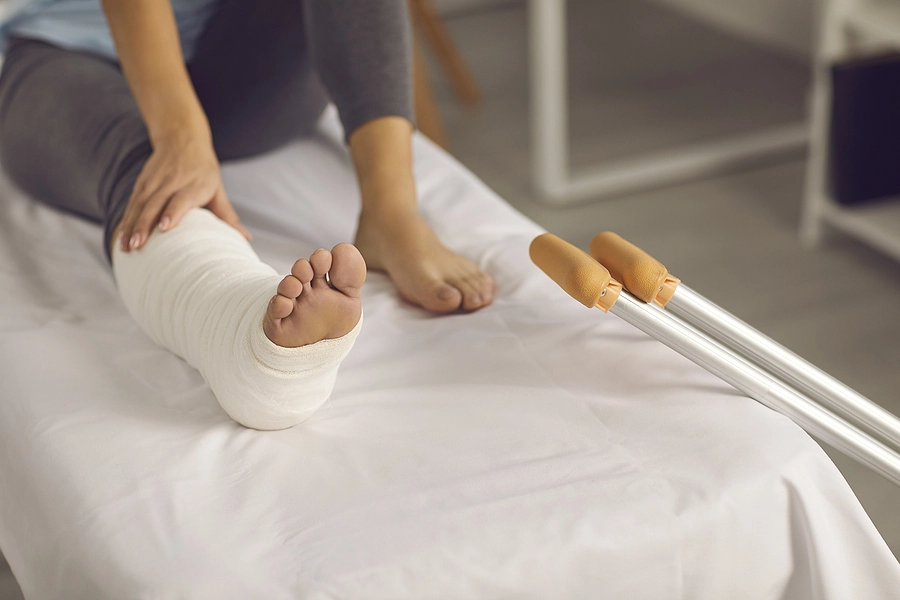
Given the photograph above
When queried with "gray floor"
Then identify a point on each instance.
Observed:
(646, 78)
(9, 589)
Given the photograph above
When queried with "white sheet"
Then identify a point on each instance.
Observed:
(534, 449)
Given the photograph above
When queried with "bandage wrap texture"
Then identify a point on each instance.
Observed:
(200, 291)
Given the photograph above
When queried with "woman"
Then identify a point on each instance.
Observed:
(126, 125)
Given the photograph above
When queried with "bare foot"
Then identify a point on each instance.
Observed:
(307, 309)
(425, 271)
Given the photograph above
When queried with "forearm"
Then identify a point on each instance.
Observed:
(149, 50)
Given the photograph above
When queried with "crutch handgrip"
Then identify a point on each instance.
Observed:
(640, 273)
(574, 271)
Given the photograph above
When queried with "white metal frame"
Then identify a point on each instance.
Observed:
(550, 143)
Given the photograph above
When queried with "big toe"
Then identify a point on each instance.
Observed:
(348, 270)
(440, 297)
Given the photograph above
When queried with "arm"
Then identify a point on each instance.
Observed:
(183, 171)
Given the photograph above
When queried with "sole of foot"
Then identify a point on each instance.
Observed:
(309, 307)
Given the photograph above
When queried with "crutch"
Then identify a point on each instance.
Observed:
(650, 281)
(589, 282)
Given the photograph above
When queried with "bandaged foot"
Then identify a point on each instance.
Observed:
(268, 346)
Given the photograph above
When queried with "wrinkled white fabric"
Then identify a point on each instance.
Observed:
(533, 449)
(200, 291)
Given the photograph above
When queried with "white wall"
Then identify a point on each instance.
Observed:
(784, 24)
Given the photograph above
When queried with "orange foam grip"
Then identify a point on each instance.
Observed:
(640, 273)
(572, 269)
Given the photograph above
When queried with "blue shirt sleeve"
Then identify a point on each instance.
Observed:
(81, 24)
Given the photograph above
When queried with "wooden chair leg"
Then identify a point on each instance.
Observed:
(429, 22)
(428, 115)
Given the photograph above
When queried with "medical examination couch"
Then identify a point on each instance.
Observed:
(533, 449)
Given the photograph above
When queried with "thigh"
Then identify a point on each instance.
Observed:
(70, 129)
(253, 74)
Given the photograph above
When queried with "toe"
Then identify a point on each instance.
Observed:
(443, 297)
(477, 290)
(472, 300)
(348, 269)
(321, 263)
(279, 307)
(290, 287)
(485, 285)
(302, 270)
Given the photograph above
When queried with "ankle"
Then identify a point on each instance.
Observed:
(382, 157)
(389, 220)
(380, 142)
(391, 188)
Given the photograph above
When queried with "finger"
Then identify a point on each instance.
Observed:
(143, 189)
(147, 218)
(221, 207)
(132, 209)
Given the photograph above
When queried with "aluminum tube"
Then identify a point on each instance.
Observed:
(769, 354)
(756, 383)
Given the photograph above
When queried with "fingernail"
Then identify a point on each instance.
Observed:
(164, 223)
(134, 241)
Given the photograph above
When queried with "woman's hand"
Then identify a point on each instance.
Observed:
(183, 171)
(181, 174)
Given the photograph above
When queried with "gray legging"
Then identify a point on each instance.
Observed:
(71, 134)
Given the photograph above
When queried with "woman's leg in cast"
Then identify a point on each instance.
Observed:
(71, 135)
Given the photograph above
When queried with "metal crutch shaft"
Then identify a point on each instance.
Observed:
(649, 280)
(758, 384)
(695, 309)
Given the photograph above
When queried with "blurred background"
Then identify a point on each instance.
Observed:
(698, 129)
(649, 80)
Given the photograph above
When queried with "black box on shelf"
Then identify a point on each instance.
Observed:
(865, 129)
